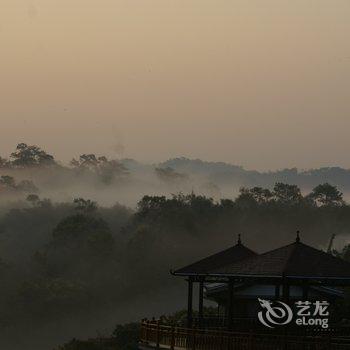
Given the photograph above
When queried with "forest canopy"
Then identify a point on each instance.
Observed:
(71, 257)
(102, 177)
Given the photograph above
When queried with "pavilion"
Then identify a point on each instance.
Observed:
(293, 271)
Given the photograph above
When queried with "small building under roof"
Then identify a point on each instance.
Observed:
(237, 276)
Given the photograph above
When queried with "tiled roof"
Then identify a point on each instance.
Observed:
(294, 260)
(219, 260)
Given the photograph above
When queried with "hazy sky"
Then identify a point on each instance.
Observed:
(261, 83)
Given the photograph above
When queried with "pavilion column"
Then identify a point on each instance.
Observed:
(200, 302)
(277, 291)
(230, 303)
(285, 290)
(189, 303)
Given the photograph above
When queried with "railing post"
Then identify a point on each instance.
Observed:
(200, 304)
(172, 338)
(146, 330)
(194, 339)
(158, 334)
(141, 330)
(230, 303)
(189, 302)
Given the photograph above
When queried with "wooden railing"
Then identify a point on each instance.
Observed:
(156, 335)
(219, 322)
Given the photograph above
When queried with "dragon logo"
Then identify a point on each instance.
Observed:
(281, 314)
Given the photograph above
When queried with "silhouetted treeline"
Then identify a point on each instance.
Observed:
(30, 169)
(72, 260)
(224, 174)
(64, 259)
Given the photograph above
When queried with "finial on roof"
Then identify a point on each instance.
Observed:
(239, 241)
(298, 237)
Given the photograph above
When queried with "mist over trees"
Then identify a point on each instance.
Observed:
(74, 260)
(81, 242)
(103, 178)
(8, 185)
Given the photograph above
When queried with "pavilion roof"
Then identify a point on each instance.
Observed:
(296, 260)
(219, 260)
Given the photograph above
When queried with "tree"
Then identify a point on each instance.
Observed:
(150, 204)
(54, 296)
(127, 335)
(326, 195)
(30, 156)
(245, 198)
(3, 162)
(260, 195)
(88, 161)
(251, 196)
(169, 175)
(85, 205)
(106, 169)
(8, 182)
(84, 234)
(287, 194)
(33, 199)
(344, 253)
(82, 247)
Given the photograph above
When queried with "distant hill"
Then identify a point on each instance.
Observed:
(107, 180)
(224, 174)
(198, 166)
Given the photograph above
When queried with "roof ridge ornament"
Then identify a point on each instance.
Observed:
(239, 241)
(297, 239)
